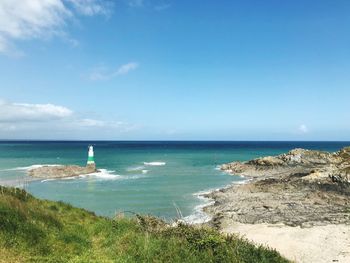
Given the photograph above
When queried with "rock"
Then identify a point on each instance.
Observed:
(299, 188)
(341, 175)
(267, 161)
(62, 171)
(296, 161)
(315, 175)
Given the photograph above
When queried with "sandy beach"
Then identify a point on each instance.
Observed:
(330, 243)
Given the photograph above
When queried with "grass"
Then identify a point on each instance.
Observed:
(33, 230)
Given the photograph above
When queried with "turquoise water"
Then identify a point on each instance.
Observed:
(180, 170)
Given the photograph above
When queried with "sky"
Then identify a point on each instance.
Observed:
(175, 70)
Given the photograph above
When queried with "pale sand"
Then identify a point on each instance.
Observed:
(330, 243)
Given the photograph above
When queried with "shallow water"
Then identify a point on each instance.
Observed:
(143, 177)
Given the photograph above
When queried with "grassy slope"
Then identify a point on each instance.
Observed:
(44, 231)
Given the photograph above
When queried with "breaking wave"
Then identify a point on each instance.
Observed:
(154, 163)
(135, 168)
(105, 174)
(47, 180)
(26, 168)
(199, 216)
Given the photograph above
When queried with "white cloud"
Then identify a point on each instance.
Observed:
(33, 19)
(303, 128)
(91, 123)
(20, 120)
(120, 126)
(14, 112)
(102, 73)
(135, 3)
(92, 7)
(125, 69)
(162, 7)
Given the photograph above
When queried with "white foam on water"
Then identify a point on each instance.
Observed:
(135, 168)
(132, 177)
(102, 174)
(218, 168)
(105, 174)
(154, 163)
(31, 167)
(199, 216)
(47, 180)
(69, 178)
(243, 181)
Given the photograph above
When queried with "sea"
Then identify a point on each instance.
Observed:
(160, 178)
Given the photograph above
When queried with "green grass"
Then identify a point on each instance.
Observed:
(33, 230)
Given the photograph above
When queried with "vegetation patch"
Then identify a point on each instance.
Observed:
(33, 230)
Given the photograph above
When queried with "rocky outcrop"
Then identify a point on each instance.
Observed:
(299, 188)
(288, 200)
(314, 164)
(61, 171)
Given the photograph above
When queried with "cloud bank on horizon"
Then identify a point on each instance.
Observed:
(14, 112)
(49, 120)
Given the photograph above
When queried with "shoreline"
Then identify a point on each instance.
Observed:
(297, 243)
(291, 202)
(205, 195)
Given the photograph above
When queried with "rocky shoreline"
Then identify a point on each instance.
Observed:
(302, 189)
(61, 171)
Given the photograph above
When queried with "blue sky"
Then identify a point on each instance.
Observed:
(192, 70)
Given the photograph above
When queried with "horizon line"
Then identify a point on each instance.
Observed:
(109, 140)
